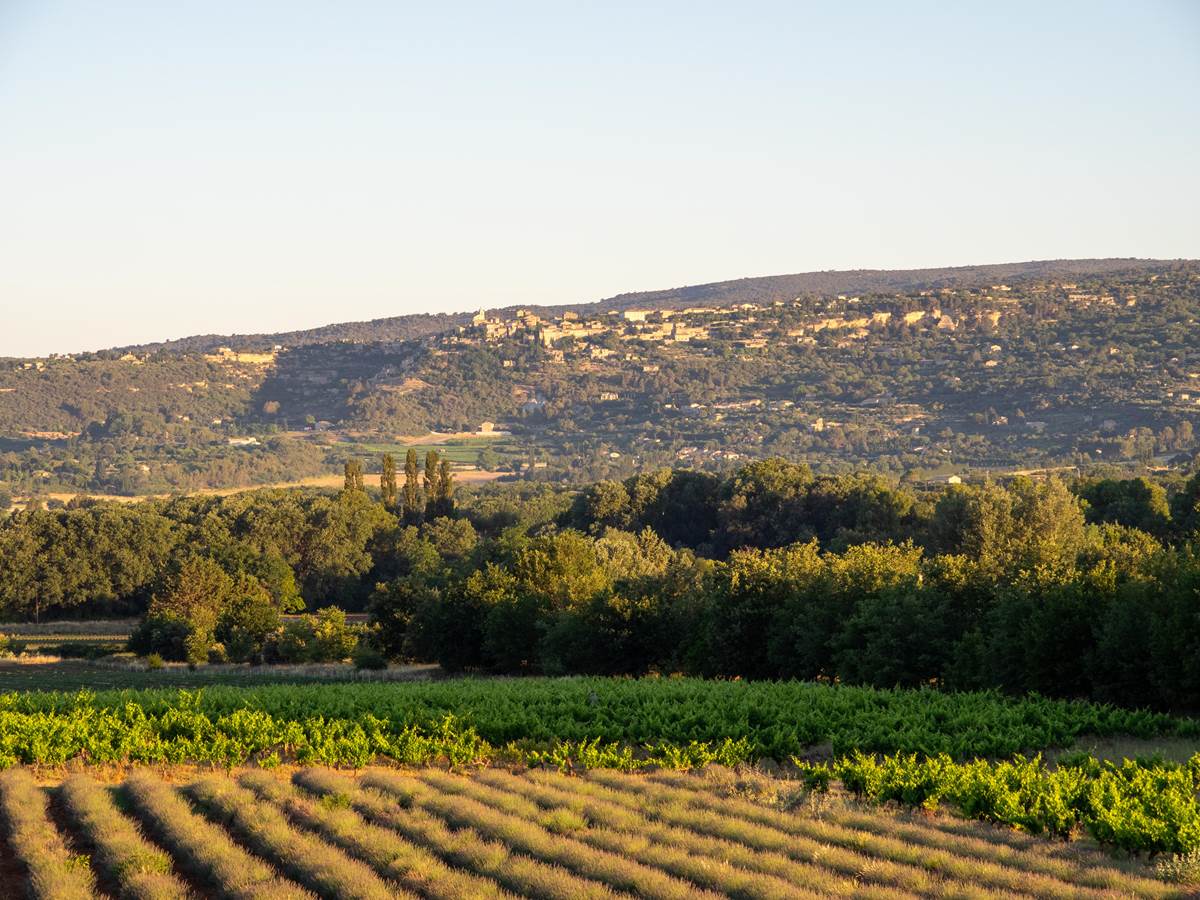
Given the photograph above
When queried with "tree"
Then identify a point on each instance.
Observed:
(335, 546)
(183, 615)
(324, 637)
(412, 494)
(452, 538)
(1134, 502)
(249, 620)
(1184, 435)
(432, 486)
(1009, 530)
(1185, 507)
(354, 475)
(445, 500)
(763, 505)
(743, 605)
(604, 504)
(387, 482)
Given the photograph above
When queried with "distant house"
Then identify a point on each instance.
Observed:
(609, 395)
(242, 441)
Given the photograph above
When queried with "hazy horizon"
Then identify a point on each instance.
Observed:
(216, 168)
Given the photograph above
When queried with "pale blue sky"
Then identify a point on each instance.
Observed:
(171, 168)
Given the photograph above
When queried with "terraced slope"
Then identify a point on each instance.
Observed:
(495, 834)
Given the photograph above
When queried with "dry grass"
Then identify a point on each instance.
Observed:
(55, 873)
(139, 870)
(111, 628)
(1116, 749)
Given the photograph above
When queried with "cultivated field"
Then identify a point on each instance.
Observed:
(332, 481)
(495, 833)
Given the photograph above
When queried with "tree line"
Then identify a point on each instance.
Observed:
(1083, 589)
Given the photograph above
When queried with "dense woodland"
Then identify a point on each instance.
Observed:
(1088, 588)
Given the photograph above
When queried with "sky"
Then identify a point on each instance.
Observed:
(219, 166)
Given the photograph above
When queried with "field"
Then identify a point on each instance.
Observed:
(650, 787)
(55, 673)
(527, 833)
(919, 748)
(466, 453)
(466, 449)
(776, 720)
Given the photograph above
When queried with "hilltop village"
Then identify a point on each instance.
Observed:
(932, 384)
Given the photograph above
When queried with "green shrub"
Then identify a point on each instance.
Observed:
(367, 656)
(166, 636)
(1135, 806)
(324, 637)
(154, 662)
(82, 649)
(1180, 868)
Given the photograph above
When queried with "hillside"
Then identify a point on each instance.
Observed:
(743, 290)
(785, 287)
(924, 372)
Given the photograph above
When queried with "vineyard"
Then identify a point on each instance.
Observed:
(775, 720)
(918, 748)
(499, 834)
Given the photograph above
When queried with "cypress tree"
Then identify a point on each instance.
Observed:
(387, 482)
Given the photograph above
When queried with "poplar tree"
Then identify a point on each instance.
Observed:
(412, 491)
(354, 475)
(432, 486)
(387, 482)
(445, 489)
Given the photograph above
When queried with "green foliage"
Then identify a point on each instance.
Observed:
(183, 616)
(368, 657)
(247, 621)
(1181, 868)
(1135, 806)
(320, 638)
(989, 586)
(628, 725)
(1028, 526)
(765, 719)
(354, 476)
(1135, 502)
(388, 493)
